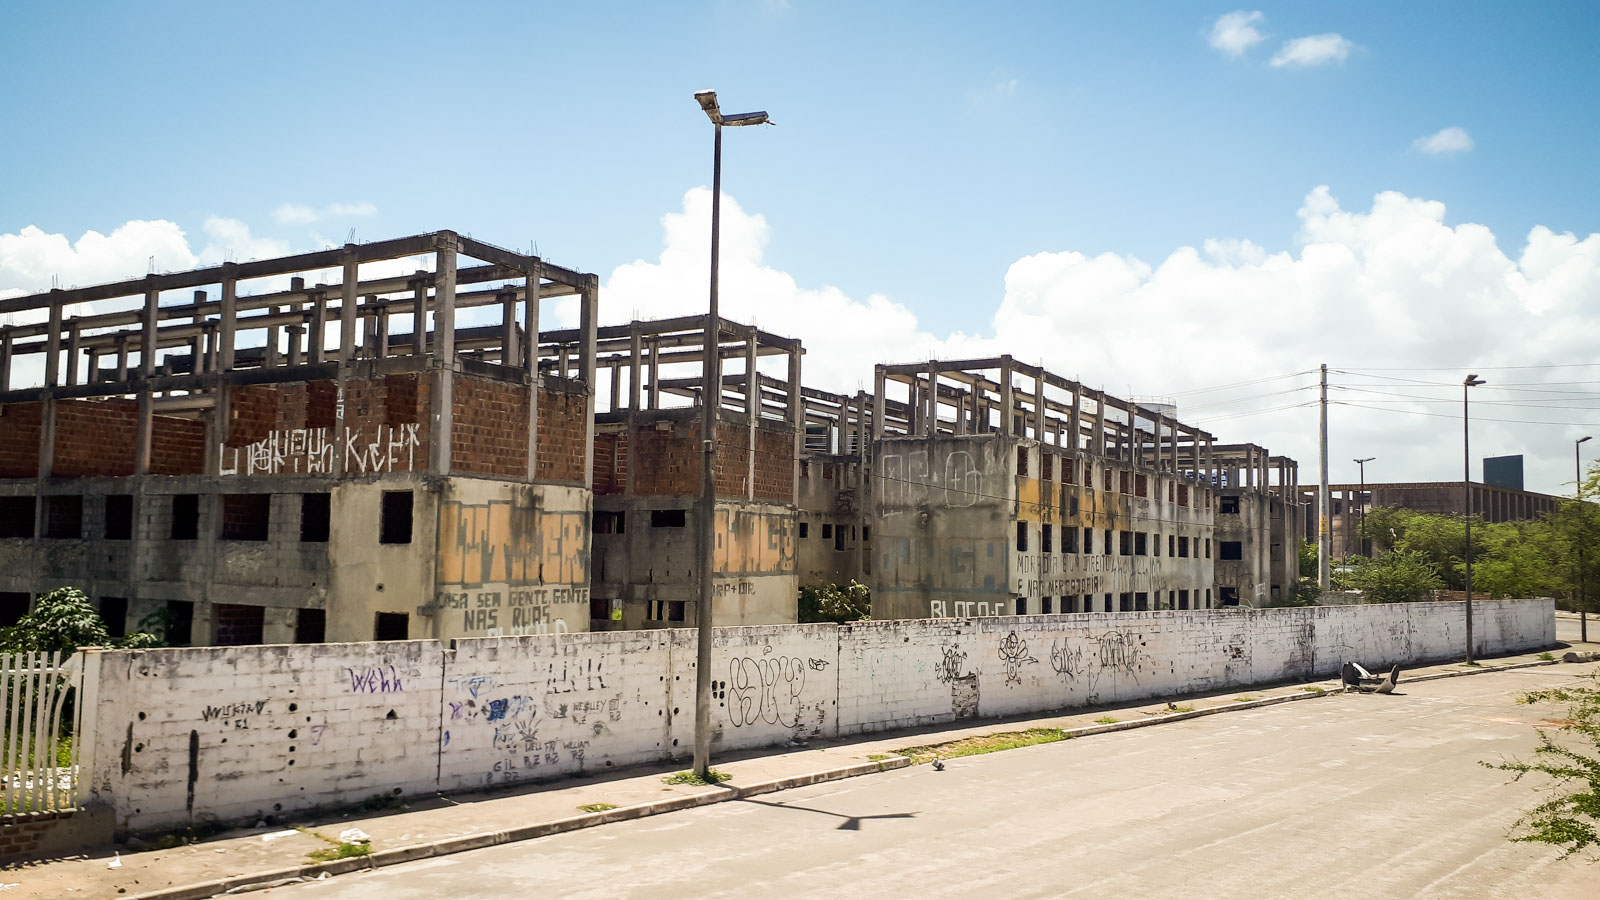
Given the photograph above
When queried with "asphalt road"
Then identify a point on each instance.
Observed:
(1345, 795)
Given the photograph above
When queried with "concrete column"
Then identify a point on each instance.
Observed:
(347, 305)
(73, 351)
(588, 313)
(508, 328)
(635, 366)
(1075, 418)
(1007, 397)
(655, 374)
(1097, 446)
(879, 385)
(1038, 407)
(443, 361)
(752, 411)
(382, 321)
(147, 368)
(931, 426)
(270, 358)
(296, 342)
(419, 313)
(615, 368)
(228, 319)
(530, 359)
(797, 418)
(5, 359)
(122, 357)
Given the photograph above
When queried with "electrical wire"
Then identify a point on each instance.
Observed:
(1413, 412)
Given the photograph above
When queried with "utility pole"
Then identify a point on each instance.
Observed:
(1324, 537)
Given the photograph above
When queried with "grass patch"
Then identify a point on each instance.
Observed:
(1174, 708)
(597, 807)
(1472, 664)
(689, 777)
(1547, 656)
(876, 757)
(1105, 720)
(340, 851)
(1313, 689)
(983, 743)
(1245, 698)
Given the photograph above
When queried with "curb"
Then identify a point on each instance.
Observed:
(311, 872)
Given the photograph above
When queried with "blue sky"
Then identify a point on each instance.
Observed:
(922, 150)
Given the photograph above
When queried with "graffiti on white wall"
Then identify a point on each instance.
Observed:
(313, 451)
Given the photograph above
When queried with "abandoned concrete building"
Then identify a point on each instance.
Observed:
(380, 453)
(999, 488)
(647, 478)
(378, 442)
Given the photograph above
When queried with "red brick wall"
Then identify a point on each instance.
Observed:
(775, 464)
(490, 431)
(608, 456)
(95, 437)
(177, 446)
(20, 425)
(667, 465)
(374, 409)
(563, 420)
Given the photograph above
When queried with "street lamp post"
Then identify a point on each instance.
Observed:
(1361, 518)
(710, 400)
(1470, 382)
(1577, 492)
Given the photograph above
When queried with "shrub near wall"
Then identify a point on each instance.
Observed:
(235, 733)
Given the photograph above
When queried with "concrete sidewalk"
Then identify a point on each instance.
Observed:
(439, 825)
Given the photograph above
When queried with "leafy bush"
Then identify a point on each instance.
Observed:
(64, 620)
(1395, 577)
(831, 603)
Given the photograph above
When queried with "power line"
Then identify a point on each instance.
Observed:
(1413, 412)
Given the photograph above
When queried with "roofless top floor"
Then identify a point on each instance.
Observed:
(432, 309)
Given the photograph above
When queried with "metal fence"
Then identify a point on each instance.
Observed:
(43, 715)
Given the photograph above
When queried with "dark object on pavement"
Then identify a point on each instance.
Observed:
(1358, 679)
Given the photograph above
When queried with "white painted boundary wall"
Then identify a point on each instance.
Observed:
(236, 733)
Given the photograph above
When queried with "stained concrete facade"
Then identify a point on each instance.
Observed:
(284, 463)
(998, 488)
(1258, 524)
(648, 459)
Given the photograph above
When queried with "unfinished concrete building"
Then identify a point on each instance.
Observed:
(1258, 524)
(647, 480)
(834, 490)
(1000, 488)
(360, 443)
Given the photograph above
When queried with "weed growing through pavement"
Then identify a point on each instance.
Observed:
(984, 743)
(689, 777)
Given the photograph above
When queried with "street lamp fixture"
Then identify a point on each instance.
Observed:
(1361, 517)
(1577, 493)
(710, 400)
(1471, 381)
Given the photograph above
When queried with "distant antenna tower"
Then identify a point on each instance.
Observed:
(152, 265)
(351, 237)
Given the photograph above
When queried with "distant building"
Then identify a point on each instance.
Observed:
(1503, 471)
(1446, 498)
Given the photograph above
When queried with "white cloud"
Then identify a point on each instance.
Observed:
(301, 214)
(1236, 32)
(1444, 141)
(1316, 50)
(1391, 286)
(843, 336)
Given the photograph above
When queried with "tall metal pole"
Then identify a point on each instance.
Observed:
(1324, 536)
(710, 399)
(1361, 518)
(1466, 493)
(1577, 492)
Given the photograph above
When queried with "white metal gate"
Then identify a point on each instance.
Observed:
(39, 734)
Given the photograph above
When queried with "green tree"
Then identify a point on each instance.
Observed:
(1395, 577)
(1570, 758)
(831, 603)
(64, 620)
